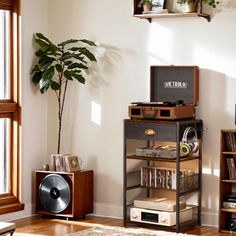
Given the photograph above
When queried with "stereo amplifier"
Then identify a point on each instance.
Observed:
(160, 217)
(229, 204)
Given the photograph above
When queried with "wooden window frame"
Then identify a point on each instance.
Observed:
(10, 108)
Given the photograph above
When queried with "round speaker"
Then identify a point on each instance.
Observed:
(54, 193)
(232, 224)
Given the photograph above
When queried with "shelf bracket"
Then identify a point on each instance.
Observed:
(206, 16)
(201, 14)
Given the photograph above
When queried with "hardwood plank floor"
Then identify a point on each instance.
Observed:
(45, 226)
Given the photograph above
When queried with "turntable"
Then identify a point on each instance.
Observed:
(174, 94)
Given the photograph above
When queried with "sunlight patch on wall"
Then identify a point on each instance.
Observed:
(208, 171)
(214, 60)
(96, 113)
(216, 172)
(160, 44)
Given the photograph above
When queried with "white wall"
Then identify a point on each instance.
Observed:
(131, 45)
(123, 76)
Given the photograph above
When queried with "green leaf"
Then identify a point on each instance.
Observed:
(91, 43)
(37, 77)
(68, 62)
(41, 36)
(74, 49)
(49, 73)
(48, 45)
(40, 53)
(80, 58)
(77, 65)
(55, 85)
(46, 60)
(76, 74)
(59, 68)
(88, 54)
(68, 42)
(67, 74)
(79, 78)
(44, 45)
(66, 56)
(44, 84)
(35, 69)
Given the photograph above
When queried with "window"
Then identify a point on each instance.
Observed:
(9, 107)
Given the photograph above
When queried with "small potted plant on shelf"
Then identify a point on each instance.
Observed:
(192, 5)
(146, 5)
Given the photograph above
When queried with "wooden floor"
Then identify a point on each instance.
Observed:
(44, 226)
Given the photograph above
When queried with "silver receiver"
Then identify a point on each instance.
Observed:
(160, 217)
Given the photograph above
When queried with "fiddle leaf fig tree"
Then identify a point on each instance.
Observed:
(58, 65)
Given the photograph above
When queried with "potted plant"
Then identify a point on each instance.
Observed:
(145, 4)
(58, 65)
(192, 5)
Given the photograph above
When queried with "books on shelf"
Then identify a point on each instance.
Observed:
(230, 139)
(231, 167)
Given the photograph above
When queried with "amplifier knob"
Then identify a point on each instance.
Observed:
(134, 215)
(163, 220)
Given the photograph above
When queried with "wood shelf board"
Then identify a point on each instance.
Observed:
(229, 153)
(227, 231)
(162, 159)
(163, 227)
(164, 15)
(228, 180)
(228, 210)
(228, 130)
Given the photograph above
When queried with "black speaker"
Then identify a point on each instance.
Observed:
(232, 224)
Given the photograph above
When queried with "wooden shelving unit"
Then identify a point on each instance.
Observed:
(137, 12)
(227, 185)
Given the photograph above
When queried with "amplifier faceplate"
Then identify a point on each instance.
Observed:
(159, 217)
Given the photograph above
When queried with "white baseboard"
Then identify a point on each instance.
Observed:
(106, 210)
(210, 219)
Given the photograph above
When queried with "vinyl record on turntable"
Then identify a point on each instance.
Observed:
(54, 193)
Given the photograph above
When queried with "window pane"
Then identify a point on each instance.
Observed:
(4, 155)
(4, 54)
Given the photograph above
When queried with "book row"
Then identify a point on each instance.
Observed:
(230, 141)
(231, 167)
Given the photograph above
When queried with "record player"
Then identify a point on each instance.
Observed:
(174, 94)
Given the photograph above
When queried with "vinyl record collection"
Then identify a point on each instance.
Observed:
(163, 178)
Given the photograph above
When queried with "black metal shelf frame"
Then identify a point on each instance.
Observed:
(175, 129)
